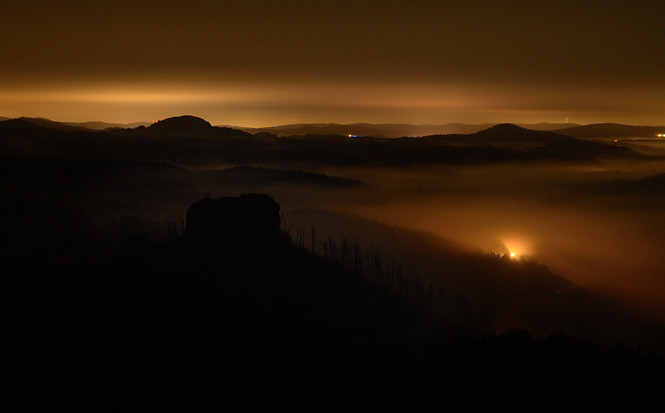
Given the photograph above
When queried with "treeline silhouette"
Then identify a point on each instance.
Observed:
(370, 264)
(59, 212)
(216, 318)
(502, 292)
(44, 239)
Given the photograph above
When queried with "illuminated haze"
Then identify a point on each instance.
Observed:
(261, 63)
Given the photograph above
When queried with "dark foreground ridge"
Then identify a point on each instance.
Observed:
(234, 312)
(229, 220)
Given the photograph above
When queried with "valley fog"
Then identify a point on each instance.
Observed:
(473, 217)
(598, 226)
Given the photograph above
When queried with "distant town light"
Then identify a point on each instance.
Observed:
(516, 247)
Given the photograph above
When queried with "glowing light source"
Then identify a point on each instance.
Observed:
(517, 247)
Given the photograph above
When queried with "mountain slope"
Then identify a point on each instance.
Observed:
(47, 123)
(612, 130)
(387, 130)
(505, 134)
(196, 325)
(589, 150)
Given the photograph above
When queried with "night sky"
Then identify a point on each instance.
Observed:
(263, 63)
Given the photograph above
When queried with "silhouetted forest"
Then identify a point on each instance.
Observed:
(147, 267)
(223, 314)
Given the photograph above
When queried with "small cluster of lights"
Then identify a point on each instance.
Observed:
(661, 135)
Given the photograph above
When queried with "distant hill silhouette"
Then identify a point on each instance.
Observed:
(588, 150)
(17, 126)
(47, 123)
(501, 134)
(106, 125)
(192, 140)
(365, 129)
(509, 133)
(387, 130)
(182, 124)
(77, 126)
(612, 130)
(192, 126)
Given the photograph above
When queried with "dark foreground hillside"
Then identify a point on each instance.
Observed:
(235, 315)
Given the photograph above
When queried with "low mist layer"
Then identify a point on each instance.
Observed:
(587, 209)
(600, 226)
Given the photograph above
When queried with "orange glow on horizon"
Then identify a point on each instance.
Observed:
(260, 104)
